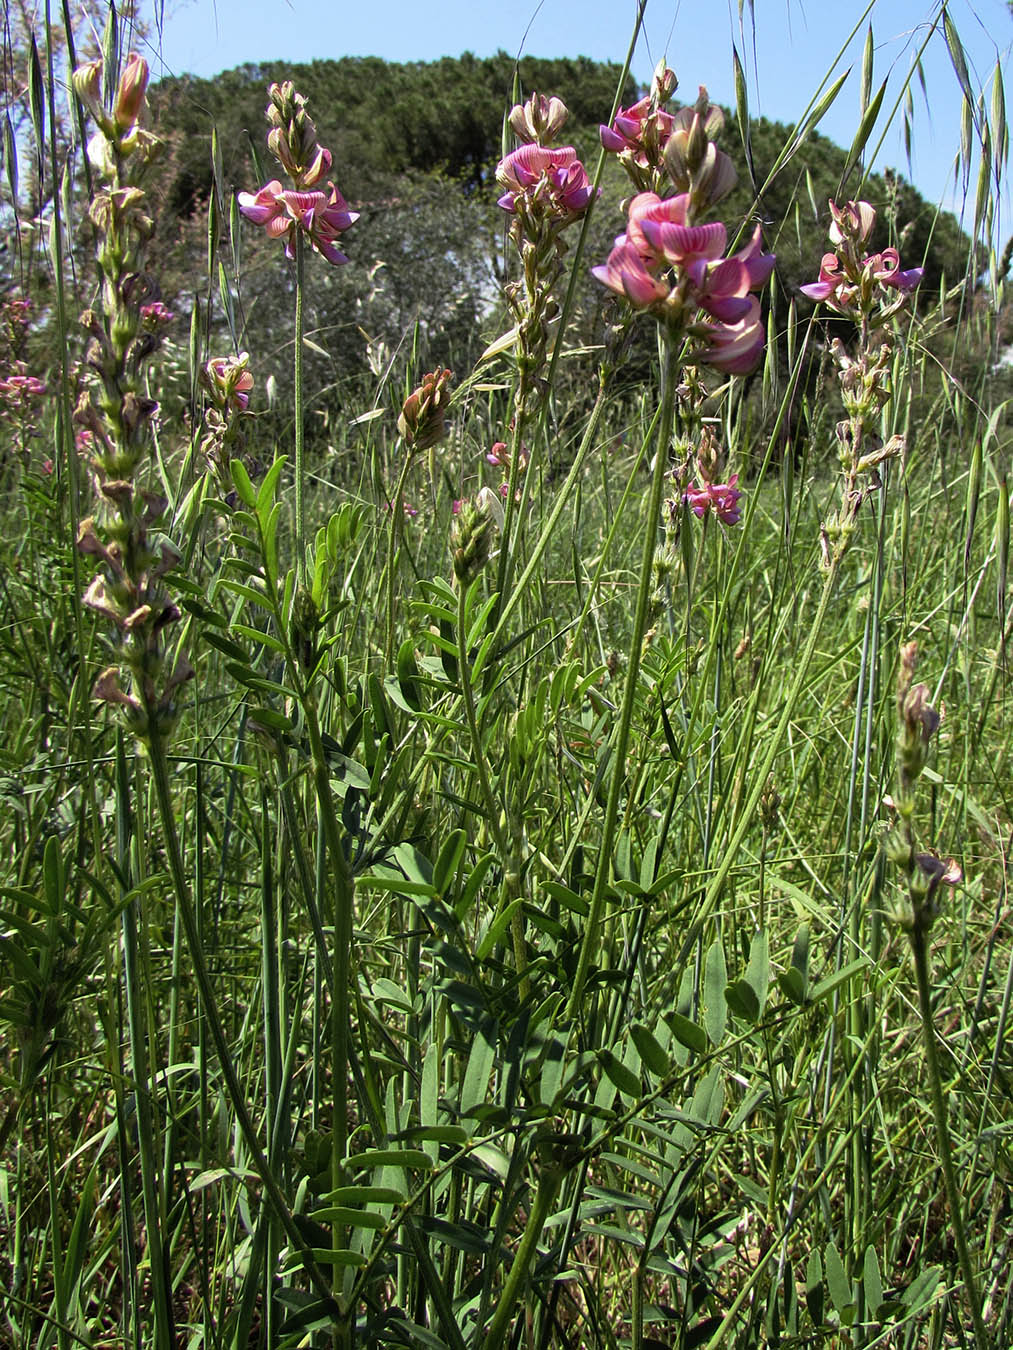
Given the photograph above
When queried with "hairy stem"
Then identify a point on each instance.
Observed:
(920, 950)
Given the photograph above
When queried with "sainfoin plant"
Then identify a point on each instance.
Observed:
(480, 870)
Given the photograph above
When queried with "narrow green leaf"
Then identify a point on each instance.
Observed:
(437, 1134)
(417, 1335)
(365, 1195)
(55, 875)
(243, 486)
(494, 934)
(715, 1007)
(449, 860)
(867, 60)
(1002, 546)
(619, 1075)
(864, 132)
(872, 1282)
(324, 1256)
(462, 1235)
(922, 1288)
(742, 1001)
(269, 486)
(826, 987)
(480, 1066)
(37, 103)
(792, 985)
(820, 111)
(956, 51)
(651, 1052)
(814, 1287)
(687, 1033)
(409, 1158)
(838, 1282)
(214, 231)
(1000, 132)
(741, 97)
(10, 158)
(758, 970)
(553, 1065)
(271, 719)
(345, 1217)
(226, 298)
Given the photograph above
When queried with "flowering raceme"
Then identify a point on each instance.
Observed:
(639, 134)
(285, 212)
(320, 216)
(19, 389)
(723, 497)
(229, 381)
(849, 277)
(664, 264)
(555, 180)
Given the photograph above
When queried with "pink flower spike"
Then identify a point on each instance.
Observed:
(130, 93)
(723, 497)
(759, 264)
(557, 178)
(649, 207)
(156, 315)
(636, 133)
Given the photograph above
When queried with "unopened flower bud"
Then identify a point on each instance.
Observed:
(422, 421)
(663, 85)
(770, 805)
(303, 627)
(539, 120)
(919, 723)
(471, 537)
(130, 94)
(87, 82)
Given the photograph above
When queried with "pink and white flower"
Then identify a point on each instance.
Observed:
(321, 216)
(722, 497)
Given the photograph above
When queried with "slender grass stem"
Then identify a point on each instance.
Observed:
(617, 781)
(747, 813)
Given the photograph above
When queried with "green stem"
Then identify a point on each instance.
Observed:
(393, 545)
(506, 556)
(564, 499)
(144, 1081)
(545, 1193)
(747, 814)
(920, 950)
(163, 795)
(618, 762)
(511, 878)
(300, 467)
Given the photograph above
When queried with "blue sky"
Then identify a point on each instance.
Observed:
(795, 46)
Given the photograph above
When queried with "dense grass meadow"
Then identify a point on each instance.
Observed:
(506, 762)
